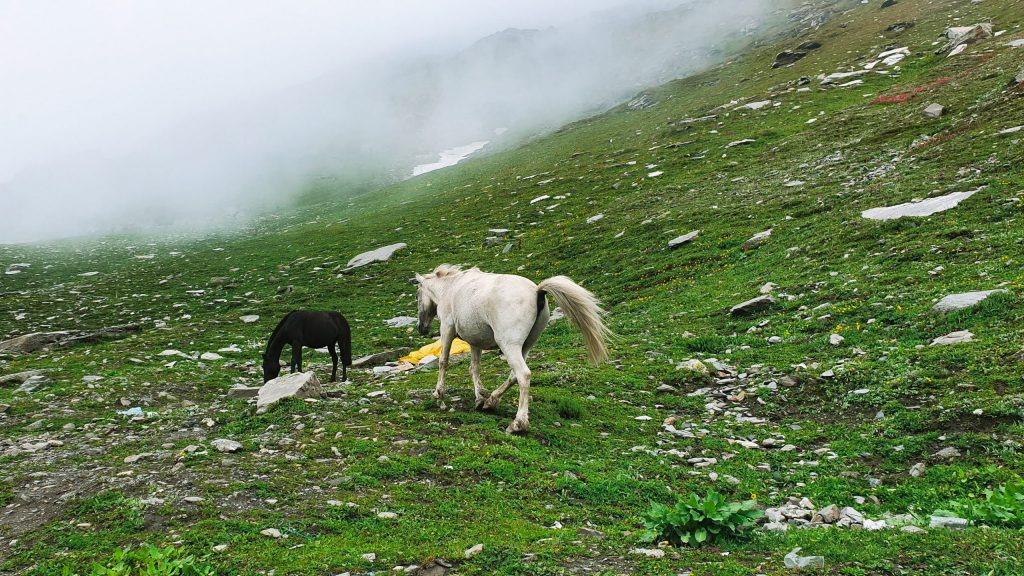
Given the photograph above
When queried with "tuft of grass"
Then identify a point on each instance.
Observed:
(569, 408)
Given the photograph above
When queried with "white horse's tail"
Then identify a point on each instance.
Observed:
(584, 311)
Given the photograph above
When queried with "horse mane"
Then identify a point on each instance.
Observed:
(448, 270)
(278, 328)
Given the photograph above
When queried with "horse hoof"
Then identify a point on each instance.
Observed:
(437, 395)
(517, 427)
(480, 404)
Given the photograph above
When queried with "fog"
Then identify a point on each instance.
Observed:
(142, 116)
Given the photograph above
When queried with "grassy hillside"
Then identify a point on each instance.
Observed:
(858, 414)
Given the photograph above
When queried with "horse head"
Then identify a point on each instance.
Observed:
(271, 368)
(425, 304)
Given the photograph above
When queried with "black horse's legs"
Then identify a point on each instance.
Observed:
(296, 358)
(334, 360)
(344, 374)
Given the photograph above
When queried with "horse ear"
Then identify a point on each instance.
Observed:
(418, 279)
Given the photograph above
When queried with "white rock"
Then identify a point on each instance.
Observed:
(387, 515)
(225, 445)
(685, 238)
(963, 300)
(382, 254)
(948, 522)
(249, 318)
(794, 560)
(271, 533)
(296, 385)
(918, 209)
(649, 552)
(958, 337)
(473, 551)
(210, 356)
(401, 321)
(835, 339)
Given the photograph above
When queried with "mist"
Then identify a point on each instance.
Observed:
(140, 116)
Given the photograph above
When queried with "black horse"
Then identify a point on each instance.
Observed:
(312, 329)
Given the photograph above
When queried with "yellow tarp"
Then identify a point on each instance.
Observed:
(458, 347)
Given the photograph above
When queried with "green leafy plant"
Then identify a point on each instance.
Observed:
(1003, 507)
(697, 520)
(149, 560)
(569, 408)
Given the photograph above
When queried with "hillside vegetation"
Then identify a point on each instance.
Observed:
(879, 420)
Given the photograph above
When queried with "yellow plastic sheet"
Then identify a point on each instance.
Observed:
(458, 347)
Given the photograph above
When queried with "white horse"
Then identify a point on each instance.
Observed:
(507, 312)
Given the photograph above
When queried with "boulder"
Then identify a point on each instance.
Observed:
(757, 239)
(963, 35)
(955, 302)
(19, 377)
(297, 385)
(753, 305)
(948, 522)
(794, 560)
(380, 358)
(382, 254)
(788, 58)
(684, 239)
(958, 337)
(919, 208)
(225, 445)
(243, 392)
(934, 110)
(401, 321)
(32, 342)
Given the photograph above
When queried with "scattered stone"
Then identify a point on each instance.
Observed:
(919, 208)
(272, 533)
(958, 337)
(753, 305)
(835, 339)
(401, 321)
(380, 358)
(649, 552)
(136, 457)
(911, 529)
(598, 217)
(591, 533)
(249, 318)
(693, 364)
(387, 515)
(955, 302)
(917, 470)
(473, 551)
(382, 254)
(959, 35)
(757, 239)
(369, 557)
(794, 560)
(948, 522)
(20, 377)
(934, 110)
(32, 342)
(210, 356)
(684, 239)
(899, 27)
(946, 454)
(641, 102)
(225, 445)
(743, 142)
(297, 385)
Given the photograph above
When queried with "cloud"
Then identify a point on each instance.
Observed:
(127, 115)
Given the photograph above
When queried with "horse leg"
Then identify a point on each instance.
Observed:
(474, 372)
(296, 358)
(334, 360)
(492, 401)
(521, 423)
(447, 337)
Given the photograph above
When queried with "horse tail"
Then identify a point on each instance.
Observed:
(344, 341)
(584, 311)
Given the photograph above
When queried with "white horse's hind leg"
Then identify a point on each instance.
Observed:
(492, 401)
(522, 372)
(474, 372)
(447, 337)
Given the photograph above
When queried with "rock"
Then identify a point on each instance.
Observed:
(210, 356)
(753, 305)
(809, 45)
(948, 522)
(641, 102)
(875, 525)
(556, 315)
(684, 239)
(911, 529)
(220, 547)
(596, 217)
(272, 533)
(794, 560)
(946, 454)
(958, 337)
(136, 457)
(370, 557)
(666, 389)
(693, 364)
(243, 392)
(835, 339)
(219, 281)
(225, 445)
(387, 515)
(830, 514)
(382, 254)
(788, 58)
(776, 526)
(920, 208)
(743, 142)
(756, 105)
(757, 239)
(32, 342)
(473, 551)
(297, 385)
(917, 470)
(401, 321)
(249, 318)
(851, 513)
(963, 300)
(934, 110)
(436, 567)
(193, 499)
(380, 358)
(590, 533)
(899, 27)
(888, 3)
(19, 377)
(958, 35)
(768, 287)
(499, 232)
(649, 552)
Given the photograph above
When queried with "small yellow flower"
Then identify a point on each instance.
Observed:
(753, 495)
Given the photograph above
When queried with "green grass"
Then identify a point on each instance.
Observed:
(452, 476)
